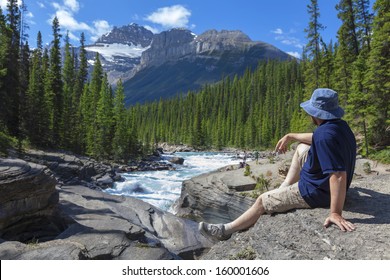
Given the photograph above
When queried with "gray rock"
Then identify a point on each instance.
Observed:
(70, 169)
(210, 199)
(105, 182)
(56, 249)
(298, 234)
(176, 160)
(103, 226)
(27, 190)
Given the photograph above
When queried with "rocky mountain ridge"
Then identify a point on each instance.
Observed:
(175, 61)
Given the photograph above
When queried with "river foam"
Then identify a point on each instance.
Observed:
(163, 188)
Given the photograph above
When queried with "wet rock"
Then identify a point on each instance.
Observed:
(176, 160)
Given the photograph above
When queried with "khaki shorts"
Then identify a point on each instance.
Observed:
(283, 199)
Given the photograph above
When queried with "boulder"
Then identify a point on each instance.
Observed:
(27, 191)
(104, 226)
(219, 197)
(176, 160)
(71, 169)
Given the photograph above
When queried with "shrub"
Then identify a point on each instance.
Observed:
(247, 171)
(6, 142)
(382, 156)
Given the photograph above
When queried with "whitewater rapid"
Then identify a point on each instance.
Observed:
(163, 188)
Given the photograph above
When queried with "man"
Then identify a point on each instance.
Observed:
(320, 174)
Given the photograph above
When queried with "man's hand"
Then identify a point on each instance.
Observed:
(282, 144)
(338, 220)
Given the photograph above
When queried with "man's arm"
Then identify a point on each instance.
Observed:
(281, 146)
(338, 190)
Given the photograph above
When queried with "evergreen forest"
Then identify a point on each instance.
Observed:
(48, 100)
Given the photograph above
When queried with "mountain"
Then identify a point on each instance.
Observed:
(154, 66)
(178, 61)
(120, 50)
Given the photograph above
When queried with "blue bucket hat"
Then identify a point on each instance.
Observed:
(323, 104)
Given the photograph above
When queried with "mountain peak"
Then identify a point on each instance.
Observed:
(132, 34)
(224, 35)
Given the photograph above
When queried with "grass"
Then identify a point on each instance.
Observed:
(246, 254)
(382, 156)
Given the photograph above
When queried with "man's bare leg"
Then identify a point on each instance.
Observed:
(297, 162)
(248, 218)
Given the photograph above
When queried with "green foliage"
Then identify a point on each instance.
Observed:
(378, 78)
(367, 167)
(6, 142)
(246, 254)
(47, 100)
(262, 185)
(248, 112)
(382, 156)
(247, 170)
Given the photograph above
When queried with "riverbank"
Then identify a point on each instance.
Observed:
(46, 215)
(222, 196)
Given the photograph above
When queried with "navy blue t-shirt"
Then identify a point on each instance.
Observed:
(333, 149)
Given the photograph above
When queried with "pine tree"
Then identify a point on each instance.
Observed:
(24, 73)
(35, 97)
(348, 49)
(4, 54)
(313, 46)
(11, 82)
(358, 98)
(90, 109)
(104, 121)
(84, 118)
(68, 80)
(54, 86)
(78, 132)
(121, 139)
(47, 102)
(378, 78)
(364, 20)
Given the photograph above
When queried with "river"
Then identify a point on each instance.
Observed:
(163, 188)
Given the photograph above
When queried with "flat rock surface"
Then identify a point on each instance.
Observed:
(299, 234)
(103, 226)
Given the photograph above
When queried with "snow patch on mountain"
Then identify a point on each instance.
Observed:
(111, 51)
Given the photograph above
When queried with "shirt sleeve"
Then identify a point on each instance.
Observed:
(330, 155)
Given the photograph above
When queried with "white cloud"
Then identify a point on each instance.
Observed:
(73, 37)
(29, 17)
(170, 17)
(41, 5)
(154, 30)
(277, 31)
(73, 5)
(295, 54)
(100, 27)
(287, 38)
(66, 14)
(68, 22)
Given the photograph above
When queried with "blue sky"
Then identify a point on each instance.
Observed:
(278, 22)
